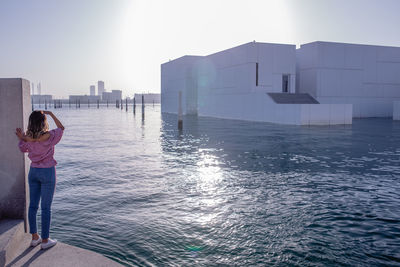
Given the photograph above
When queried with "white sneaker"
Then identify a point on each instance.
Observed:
(36, 242)
(50, 243)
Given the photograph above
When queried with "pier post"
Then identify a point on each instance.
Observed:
(107, 102)
(88, 104)
(54, 104)
(134, 105)
(180, 122)
(143, 104)
(79, 103)
(45, 104)
(122, 104)
(69, 103)
(126, 104)
(32, 103)
(98, 103)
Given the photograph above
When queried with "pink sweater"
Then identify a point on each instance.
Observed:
(41, 153)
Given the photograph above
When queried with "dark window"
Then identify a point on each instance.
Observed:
(285, 83)
(256, 74)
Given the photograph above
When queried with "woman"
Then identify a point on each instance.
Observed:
(39, 142)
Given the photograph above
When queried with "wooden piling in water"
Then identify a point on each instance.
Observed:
(79, 103)
(180, 122)
(142, 107)
(126, 104)
(107, 102)
(122, 104)
(45, 104)
(98, 103)
(134, 106)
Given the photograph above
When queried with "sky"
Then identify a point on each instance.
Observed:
(68, 45)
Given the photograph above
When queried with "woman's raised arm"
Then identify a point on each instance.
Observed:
(56, 121)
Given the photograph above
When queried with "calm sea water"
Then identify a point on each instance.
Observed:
(224, 192)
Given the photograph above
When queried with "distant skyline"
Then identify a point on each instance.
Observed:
(70, 45)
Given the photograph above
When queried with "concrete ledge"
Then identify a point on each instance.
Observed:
(11, 235)
(15, 251)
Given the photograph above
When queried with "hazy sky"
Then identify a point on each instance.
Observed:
(70, 44)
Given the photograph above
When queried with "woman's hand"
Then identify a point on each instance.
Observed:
(19, 133)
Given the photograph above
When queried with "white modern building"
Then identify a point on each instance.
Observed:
(92, 90)
(366, 76)
(254, 81)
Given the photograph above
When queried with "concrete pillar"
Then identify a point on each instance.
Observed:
(15, 108)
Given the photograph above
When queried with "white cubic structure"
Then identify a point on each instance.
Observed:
(179, 75)
(254, 81)
(366, 76)
(396, 110)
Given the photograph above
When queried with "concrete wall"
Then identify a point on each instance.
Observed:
(179, 75)
(396, 110)
(260, 107)
(234, 72)
(363, 75)
(15, 108)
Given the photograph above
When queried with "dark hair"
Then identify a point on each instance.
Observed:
(37, 124)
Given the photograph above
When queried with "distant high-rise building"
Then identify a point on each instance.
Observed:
(33, 89)
(39, 87)
(100, 88)
(92, 90)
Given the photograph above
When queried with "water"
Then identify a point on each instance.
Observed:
(224, 192)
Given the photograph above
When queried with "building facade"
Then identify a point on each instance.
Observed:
(41, 99)
(112, 96)
(84, 98)
(254, 81)
(148, 98)
(366, 76)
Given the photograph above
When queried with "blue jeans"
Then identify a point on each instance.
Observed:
(42, 183)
